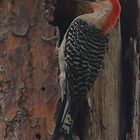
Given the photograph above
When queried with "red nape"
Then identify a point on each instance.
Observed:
(113, 17)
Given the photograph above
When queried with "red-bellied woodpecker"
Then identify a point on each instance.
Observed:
(80, 57)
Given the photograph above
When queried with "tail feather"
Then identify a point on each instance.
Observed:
(64, 124)
(66, 120)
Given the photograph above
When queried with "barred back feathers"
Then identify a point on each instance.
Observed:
(80, 57)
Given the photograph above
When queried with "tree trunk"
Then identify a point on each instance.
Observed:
(135, 57)
(29, 90)
(131, 56)
(135, 64)
(138, 21)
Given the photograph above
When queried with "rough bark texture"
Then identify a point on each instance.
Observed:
(130, 42)
(135, 64)
(135, 61)
(28, 71)
(139, 64)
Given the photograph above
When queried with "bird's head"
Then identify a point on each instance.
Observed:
(113, 16)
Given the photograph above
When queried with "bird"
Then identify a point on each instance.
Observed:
(81, 56)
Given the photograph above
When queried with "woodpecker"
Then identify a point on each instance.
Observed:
(81, 55)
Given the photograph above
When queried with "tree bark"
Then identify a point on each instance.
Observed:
(135, 57)
(135, 64)
(131, 56)
(29, 91)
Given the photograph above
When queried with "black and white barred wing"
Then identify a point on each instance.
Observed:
(84, 49)
(84, 53)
